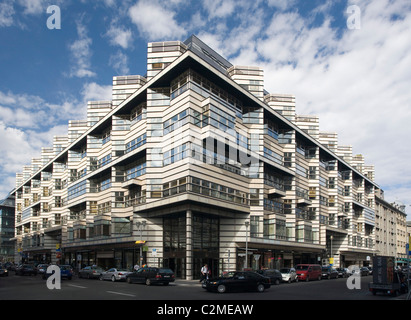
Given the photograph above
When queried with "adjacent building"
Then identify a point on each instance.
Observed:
(7, 219)
(194, 163)
(391, 234)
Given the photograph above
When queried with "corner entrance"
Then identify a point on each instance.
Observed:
(203, 237)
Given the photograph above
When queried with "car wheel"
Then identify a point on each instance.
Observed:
(113, 278)
(148, 282)
(129, 281)
(101, 278)
(221, 288)
(289, 280)
(307, 279)
(166, 283)
(276, 282)
(261, 288)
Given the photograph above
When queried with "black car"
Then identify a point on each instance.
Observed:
(329, 273)
(364, 271)
(10, 266)
(275, 275)
(343, 272)
(26, 269)
(151, 275)
(239, 281)
(3, 271)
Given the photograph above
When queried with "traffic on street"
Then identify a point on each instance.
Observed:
(29, 283)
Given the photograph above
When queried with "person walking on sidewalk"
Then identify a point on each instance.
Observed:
(204, 273)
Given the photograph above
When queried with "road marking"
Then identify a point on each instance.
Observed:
(75, 286)
(122, 294)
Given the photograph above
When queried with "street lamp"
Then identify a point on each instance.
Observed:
(140, 226)
(247, 223)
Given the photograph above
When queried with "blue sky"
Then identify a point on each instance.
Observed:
(356, 80)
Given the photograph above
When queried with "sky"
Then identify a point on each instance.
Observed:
(346, 61)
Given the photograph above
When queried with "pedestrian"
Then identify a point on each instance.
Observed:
(204, 273)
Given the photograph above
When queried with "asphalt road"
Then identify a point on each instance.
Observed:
(34, 288)
(29, 296)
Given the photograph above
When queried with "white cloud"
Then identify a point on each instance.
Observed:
(219, 8)
(282, 5)
(95, 92)
(155, 22)
(28, 123)
(18, 148)
(119, 36)
(119, 62)
(6, 14)
(81, 53)
(356, 81)
(357, 85)
(33, 6)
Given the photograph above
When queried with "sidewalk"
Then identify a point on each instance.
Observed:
(184, 282)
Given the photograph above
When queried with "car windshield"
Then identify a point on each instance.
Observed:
(301, 268)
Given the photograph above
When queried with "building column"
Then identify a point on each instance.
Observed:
(189, 245)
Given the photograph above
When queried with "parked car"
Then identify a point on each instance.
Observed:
(328, 272)
(364, 271)
(10, 266)
(307, 272)
(343, 272)
(3, 271)
(90, 272)
(24, 269)
(66, 272)
(151, 275)
(114, 274)
(289, 275)
(370, 270)
(42, 268)
(239, 281)
(274, 275)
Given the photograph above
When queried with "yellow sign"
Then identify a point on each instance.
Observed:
(140, 242)
(331, 260)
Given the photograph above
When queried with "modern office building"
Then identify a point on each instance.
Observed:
(194, 163)
(7, 219)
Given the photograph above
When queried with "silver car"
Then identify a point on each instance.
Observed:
(114, 274)
(289, 274)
